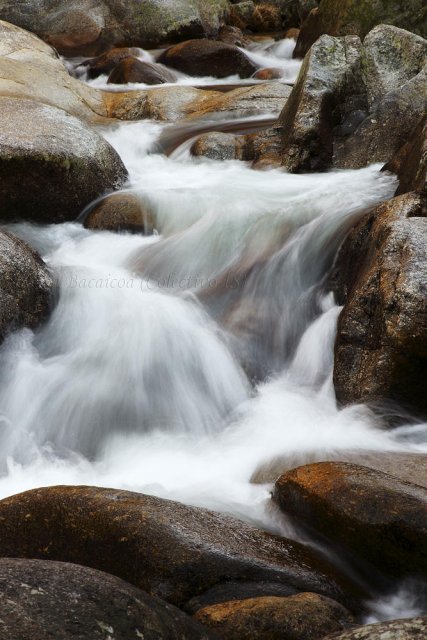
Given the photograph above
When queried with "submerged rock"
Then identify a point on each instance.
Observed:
(381, 344)
(306, 616)
(123, 211)
(26, 286)
(375, 515)
(51, 164)
(208, 58)
(358, 17)
(166, 548)
(86, 27)
(406, 629)
(134, 70)
(41, 599)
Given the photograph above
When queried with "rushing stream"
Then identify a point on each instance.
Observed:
(143, 377)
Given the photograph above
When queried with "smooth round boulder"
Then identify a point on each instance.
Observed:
(168, 549)
(26, 286)
(270, 73)
(51, 164)
(134, 70)
(43, 599)
(377, 516)
(216, 146)
(123, 211)
(208, 58)
(305, 616)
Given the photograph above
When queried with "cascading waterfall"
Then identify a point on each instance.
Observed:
(143, 377)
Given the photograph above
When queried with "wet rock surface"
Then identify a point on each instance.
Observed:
(380, 349)
(26, 286)
(51, 164)
(375, 515)
(42, 599)
(166, 548)
(305, 616)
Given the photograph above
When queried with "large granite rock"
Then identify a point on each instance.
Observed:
(375, 515)
(381, 344)
(87, 27)
(51, 164)
(26, 286)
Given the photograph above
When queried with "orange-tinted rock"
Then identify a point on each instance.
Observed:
(134, 70)
(306, 616)
(208, 58)
(166, 548)
(106, 62)
(123, 211)
(292, 33)
(405, 629)
(375, 515)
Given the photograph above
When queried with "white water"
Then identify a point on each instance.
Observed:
(137, 380)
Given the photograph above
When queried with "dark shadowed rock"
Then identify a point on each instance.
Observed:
(208, 58)
(306, 616)
(25, 286)
(123, 211)
(166, 548)
(134, 70)
(51, 164)
(407, 629)
(381, 344)
(41, 599)
(375, 515)
(88, 27)
(343, 17)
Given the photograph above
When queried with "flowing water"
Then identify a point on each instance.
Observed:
(179, 364)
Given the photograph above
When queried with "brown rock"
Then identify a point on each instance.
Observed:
(406, 629)
(232, 35)
(216, 146)
(44, 599)
(134, 70)
(230, 591)
(123, 211)
(208, 58)
(381, 344)
(166, 548)
(292, 33)
(306, 616)
(26, 286)
(375, 515)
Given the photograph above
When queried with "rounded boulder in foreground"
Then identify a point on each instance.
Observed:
(43, 599)
(52, 165)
